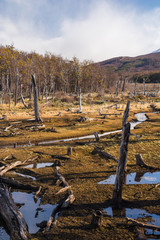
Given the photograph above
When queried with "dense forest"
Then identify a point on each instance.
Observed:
(53, 73)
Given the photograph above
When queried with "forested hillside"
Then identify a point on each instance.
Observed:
(141, 65)
(52, 73)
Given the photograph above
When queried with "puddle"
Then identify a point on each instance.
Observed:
(23, 175)
(39, 165)
(135, 213)
(141, 117)
(136, 178)
(3, 234)
(32, 212)
(29, 210)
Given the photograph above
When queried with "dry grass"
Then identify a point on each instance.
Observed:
(84, 170)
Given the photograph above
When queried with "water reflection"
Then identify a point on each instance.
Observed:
(136, 178)
(33, 212)
(39, 165)
(135, 213)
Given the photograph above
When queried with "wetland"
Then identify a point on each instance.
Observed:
(49, 141)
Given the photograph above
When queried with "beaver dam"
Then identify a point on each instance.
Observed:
(58, 176)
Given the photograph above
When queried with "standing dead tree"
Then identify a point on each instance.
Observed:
(36, 107)
(120, 173)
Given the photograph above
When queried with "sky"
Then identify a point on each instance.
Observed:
(87, 29)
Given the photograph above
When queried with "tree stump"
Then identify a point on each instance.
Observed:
(69, 151)
(96, 136)
(97, 218)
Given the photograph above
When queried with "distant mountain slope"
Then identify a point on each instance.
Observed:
(149, 62)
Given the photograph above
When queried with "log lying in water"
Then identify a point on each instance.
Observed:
(12, 217)
(67, 201)
(18, 185)
(15, 164)
(139, 224)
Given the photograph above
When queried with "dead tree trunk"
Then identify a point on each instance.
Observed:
(144, 86)
(36, 107)
(22, 95)
(120, 173)
(135, 87)
(12, 217)
(80, 103)
(16, 88)
(117, 84)
(2, 89)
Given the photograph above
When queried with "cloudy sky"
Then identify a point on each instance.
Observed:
(87, 29)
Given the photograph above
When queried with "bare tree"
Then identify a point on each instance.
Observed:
(36, 106)
(120, 173)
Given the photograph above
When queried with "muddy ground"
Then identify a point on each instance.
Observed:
(83, 170)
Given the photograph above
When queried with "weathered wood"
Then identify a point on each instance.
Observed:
(103, 154)
(97, 219)
(140, 162)
(61, 157)
(68, 200)
(17, 185)
(15, 164)
(12, 217)
(120, 172)
(96, 136)
(140, 224)
(69, 151)
(36, 106)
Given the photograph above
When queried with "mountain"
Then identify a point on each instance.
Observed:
(156, 51)
(144, 63)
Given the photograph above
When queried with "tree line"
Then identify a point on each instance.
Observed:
(52, 73)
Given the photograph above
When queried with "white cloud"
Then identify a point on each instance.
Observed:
(107, 31)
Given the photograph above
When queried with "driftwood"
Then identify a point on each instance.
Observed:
(60, 157)
(16, 184)
(15, 164)
(140, 162)
(103, 154)
(7, 128)
(12, 217)
(139, 224)
(120, 172)
(67, 201)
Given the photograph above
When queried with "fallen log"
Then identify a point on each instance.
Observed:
(140, 162)
(66, 202)
(139, 224)
(12, 217)
(15, 164)
(17, 185)
(103, 154)
(61, 157)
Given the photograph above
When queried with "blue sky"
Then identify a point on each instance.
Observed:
(87, 29)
